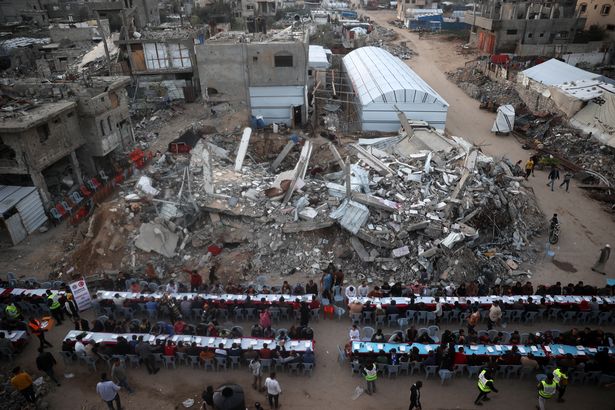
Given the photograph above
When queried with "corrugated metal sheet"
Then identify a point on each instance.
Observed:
(32, 212)
(351, 215)
(11, 195)
(274, 103)
(15, 228)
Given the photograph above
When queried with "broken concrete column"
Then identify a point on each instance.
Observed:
(243, 148)
(208, 177)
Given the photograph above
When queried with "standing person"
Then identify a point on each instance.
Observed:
(415, 396)
(53, 301)
(473, 319)
(71, 307)
(495, 315)
(560, 376)
(567, 178)
(109, 392)
(438, 311)
(118, 375)
(257, 375)
(370, 373)
(304, 314)
(605, 254)
(529, 167)
(38, 331)
(22, 382)
(208, 397)
(553, 175)
(485, 386)
(195, 281)
(546, 390)
(273, 390)
(45, 362)
(144, 350)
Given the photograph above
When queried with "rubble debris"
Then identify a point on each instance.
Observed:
(158, 238)
(243, 148)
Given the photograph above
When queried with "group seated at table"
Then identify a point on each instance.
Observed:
(104, 346)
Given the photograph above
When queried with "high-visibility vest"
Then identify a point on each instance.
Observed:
(35, 326)
(559, 376)
(548, 390)
(55, 304)
(371, 374)
(482, 382)
(12, 312)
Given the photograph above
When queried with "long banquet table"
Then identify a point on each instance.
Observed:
(201, 341)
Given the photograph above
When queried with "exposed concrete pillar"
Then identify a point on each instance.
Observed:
(529, 10)
(39, 182)
(553, 7)
(76, 168)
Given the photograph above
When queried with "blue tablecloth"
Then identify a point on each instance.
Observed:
(495, 350)
(560, 350)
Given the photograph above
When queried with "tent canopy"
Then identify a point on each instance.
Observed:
(318, 58)
(553, 72)
(379, 77)
(599, 119)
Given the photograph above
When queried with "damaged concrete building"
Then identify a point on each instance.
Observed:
(524, 28)
(47, 129)
(163, 62)
(268, 73)
(23, 11)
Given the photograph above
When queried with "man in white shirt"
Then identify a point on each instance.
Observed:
(273, 390)
(108, 392)
(171, 287)
(363, 290)
(354, 333)
(438, 311)
(80, 347)
(351, 292)
(495, 315)
(118, 301)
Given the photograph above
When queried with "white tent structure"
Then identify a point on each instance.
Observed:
(384, 85)
(505, 119)
(599, 119)
(555, 72)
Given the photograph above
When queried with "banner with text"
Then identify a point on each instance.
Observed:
(81, 294)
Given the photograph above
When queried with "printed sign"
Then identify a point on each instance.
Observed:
(81, 294)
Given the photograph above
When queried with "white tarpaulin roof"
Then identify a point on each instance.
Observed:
(505, 119)
(587, 89)
(554, 72)
(378, 76)
(599, 119)
(318, 58)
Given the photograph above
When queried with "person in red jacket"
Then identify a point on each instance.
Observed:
(196, 280)
(460, 356)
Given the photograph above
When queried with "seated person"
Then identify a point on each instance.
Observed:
(235, 350)
(193, 350)
(256, 331)
(265, 352)
(396, 337)
(411, 334)
(378, 336)
(394, 357)
(460, 356)
(529, 362)
(424, 338)
(268, 333)
(430, 360)
(382, 357)
(169, 348)
(206, 354)
(515, 338)
(391, 309)
(308, 356)
(220, 351)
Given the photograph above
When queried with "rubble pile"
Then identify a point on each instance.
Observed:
(480, 87)
(399, 208)
(385, 38)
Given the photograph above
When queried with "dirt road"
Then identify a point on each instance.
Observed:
(585, 226)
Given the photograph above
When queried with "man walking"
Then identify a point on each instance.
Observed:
(118, 375)
(53, 301)
(273, 390)
(45, 362)
(38, 331)
(529, 167)
(546, 390)
(560, 376)
(415, 396)
(553, 175)
(605, 254)
(22, 382)
(370, 373)
(109, 392)
(255, 368)
(495, 315)
(485, 386)
(567, 178)
(144, 350)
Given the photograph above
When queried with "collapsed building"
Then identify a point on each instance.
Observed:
(266, 72)
(50, 131)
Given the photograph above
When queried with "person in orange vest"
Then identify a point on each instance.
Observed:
(38, 331)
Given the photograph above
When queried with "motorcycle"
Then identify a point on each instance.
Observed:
(554, 234)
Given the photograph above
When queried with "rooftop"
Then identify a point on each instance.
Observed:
(286, 35)
(15, 118)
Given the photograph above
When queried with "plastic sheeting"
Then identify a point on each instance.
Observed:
(599, 119)
(505, 119)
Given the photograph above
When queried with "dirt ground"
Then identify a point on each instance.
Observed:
(585, 227)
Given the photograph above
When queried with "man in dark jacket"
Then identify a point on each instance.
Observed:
(45, 362)
(415, 396)
(553, 175)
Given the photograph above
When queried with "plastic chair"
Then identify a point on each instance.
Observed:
(182, 358)
(265, 365)
(220, 363)
(392, 370)
(430, 317)
(356, 318)
(293, 368)
(368, 316)
(421, 316)
(474, 370)
(569, 315)
(445, 375)
(415, 367)
(339, 312)
(55, 214)
(391, 319)
(308, 368)
(404, 367)
(430, 371)
(513, 370)
(403, 322)
(234, 362)
(208, 364)
(75, 197)
(355, 368)
(459, 368)
(380, 320)
(315, 314)
(85, 191)
(368, 332)
(134, 360)
(433, 331)
(169, 361)
(603, 317)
